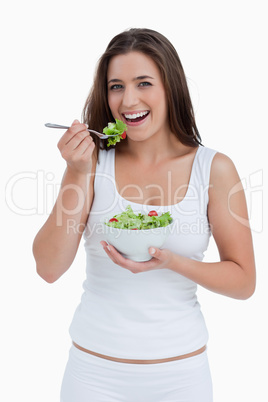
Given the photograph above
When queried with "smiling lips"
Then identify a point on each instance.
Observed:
(135, 117)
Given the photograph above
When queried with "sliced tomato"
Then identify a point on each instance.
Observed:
(124, 135)
(134, 229)
(152, 213)
(113, 220)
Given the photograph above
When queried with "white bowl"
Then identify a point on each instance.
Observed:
(134, 244)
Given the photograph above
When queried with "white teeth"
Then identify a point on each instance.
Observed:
(135, 115)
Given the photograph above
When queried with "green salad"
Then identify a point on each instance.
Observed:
(118, 128)
(129, 220)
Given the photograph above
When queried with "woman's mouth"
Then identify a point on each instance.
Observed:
(135, 117)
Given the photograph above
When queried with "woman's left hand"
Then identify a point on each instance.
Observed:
(161, 259)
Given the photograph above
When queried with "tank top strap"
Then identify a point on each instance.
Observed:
(200, 176)
(202, 166)
(104, 169)
(105, 161)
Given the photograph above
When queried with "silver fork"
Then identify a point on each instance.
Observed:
(100, 135)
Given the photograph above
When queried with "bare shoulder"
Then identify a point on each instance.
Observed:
(226, 192)
(223, 171)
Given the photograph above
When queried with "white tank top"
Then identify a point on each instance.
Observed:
(150, 315)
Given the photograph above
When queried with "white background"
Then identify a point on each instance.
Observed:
(49, 51)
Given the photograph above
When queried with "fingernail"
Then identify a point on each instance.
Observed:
(152, 250)
(108, 248)
(75, 121)
(86, 125)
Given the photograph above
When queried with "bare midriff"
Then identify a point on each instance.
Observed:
(138, 361)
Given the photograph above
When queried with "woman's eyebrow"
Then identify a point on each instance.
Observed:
(140, 77)
(114, 80)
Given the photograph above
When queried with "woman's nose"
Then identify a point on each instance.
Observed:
(130, 98)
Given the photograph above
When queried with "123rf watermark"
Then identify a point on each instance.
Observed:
(34, 193)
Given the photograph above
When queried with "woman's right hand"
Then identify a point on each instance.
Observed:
(56, 243)
(76, 147)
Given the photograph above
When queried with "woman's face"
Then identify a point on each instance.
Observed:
(137, 96)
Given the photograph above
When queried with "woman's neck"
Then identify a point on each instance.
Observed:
(153, 150)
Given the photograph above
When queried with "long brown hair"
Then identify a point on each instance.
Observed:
(181, 118)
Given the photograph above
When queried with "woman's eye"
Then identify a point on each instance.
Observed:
(116, 87)
(145, 84)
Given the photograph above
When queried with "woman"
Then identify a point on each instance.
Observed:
(143, 337)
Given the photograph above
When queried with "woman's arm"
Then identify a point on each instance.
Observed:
(56, 244)
(234, 275)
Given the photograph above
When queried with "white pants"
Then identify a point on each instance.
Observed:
(92, 379)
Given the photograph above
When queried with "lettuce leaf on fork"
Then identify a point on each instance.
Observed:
(118, 128)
